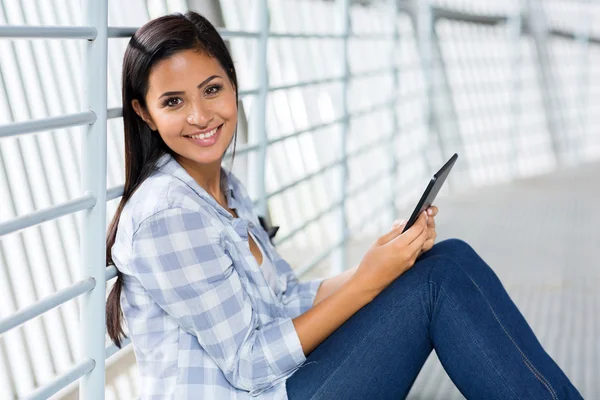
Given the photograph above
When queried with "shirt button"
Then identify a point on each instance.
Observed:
(250, 224)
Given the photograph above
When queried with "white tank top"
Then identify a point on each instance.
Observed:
(267, 267)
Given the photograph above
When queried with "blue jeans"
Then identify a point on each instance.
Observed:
(450, 301)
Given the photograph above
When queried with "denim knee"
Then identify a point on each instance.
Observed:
(453, 247)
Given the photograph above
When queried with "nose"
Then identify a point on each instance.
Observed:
(200, 114)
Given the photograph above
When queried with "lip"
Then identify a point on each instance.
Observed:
(206, 142)
(204, 131)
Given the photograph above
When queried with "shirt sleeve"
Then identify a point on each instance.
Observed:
(298, 297)
(178, 257)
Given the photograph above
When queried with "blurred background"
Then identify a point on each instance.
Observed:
(346, 110)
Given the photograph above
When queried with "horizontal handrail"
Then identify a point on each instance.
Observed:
(128, 31)
(121, 31)
(48, 214)
(48, 32)
(111, 272)
(114, 192)
(112, 348)
(46, 304)
(573, 35)
(115, 112)
(481, 19)
(47, 124)
(91, 33)
(314, 35)
(300, 35)
(62, 381)
(306, 83)
(228, 33)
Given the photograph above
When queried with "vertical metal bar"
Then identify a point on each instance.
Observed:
(339, 256)
(554, 117)
(258, 134)
(93, 179)
(394, 106)
(514, 32)
(441, 116)
(584, 83)
(422, 19)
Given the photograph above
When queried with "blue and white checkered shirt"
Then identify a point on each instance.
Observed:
(203, 320)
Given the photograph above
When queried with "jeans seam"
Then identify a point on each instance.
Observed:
(539, 376)
(361, 340)
(479, 345)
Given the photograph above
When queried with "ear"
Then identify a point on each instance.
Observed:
(143, 114)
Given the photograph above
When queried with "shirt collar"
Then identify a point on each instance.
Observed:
(167, 164)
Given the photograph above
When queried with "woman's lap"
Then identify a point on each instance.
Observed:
(449, 300)
(355, 361)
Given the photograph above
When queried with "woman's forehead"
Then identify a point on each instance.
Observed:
(184, 66)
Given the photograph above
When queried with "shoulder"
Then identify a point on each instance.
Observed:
(161, 194)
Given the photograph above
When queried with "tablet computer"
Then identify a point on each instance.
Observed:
(435, 184)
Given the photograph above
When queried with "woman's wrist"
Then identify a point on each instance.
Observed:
(333, 284)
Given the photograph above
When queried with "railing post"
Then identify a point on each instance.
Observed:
(258, 135)
(339, 256)
(583, 38)
(537, 25)
(394, 106)
(514, 32)
(422, 19)
(93, 179)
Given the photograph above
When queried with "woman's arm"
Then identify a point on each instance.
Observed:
(316, 324)
(331, 285)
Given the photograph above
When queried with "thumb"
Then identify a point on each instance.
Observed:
(392, 234)
(399, 222)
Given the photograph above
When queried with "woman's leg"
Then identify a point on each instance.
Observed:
(497, 347)
(450, 300)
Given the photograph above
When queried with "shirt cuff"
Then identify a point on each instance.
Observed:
(282, 350)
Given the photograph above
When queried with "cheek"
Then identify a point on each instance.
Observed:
(228, 109)
(169, 123)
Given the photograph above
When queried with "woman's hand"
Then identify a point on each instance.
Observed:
(432, 234)
(390, 256)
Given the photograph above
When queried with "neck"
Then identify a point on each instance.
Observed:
(208, 176)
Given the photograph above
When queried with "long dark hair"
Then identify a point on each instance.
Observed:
(157, 40)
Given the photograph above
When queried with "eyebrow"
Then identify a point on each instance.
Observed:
(204, 83)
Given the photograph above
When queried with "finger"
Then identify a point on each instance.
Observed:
(398, 222)
(414, 231)
(419, 240)
(393, 233)
(432, 211)
(431, 222)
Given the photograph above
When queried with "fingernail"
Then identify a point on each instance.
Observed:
(429, 211)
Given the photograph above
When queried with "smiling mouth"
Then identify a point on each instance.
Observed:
(206, 135)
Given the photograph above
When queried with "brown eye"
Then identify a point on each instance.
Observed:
(172, 102)
(213, 90)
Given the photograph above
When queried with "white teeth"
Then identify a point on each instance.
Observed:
(205, 135)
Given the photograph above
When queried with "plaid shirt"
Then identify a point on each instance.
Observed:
(203, 321)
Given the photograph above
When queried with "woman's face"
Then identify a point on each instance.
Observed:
(192, 104)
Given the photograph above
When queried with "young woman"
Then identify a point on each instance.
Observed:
(215, 313)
